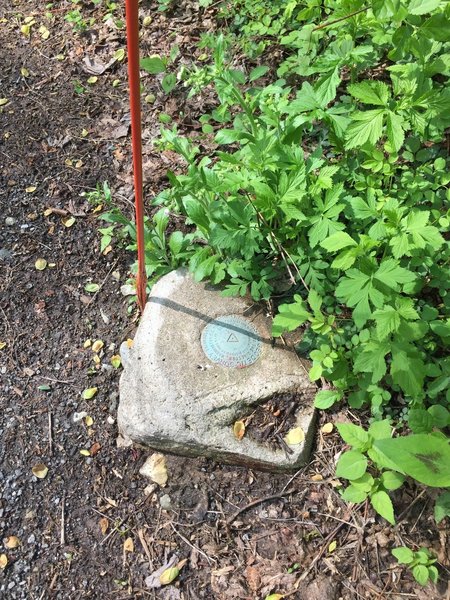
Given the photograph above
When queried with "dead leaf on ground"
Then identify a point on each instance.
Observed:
(97, 345)
(128, 545)
(89, 393)
(3, 561)
(94, 448)
(239, 430)
(155, 468)
(253, 578)
(153, 581)
(327, 428)
(40, 264)
(12, 541)
(40, 471)
(104, 524)
(295, 436)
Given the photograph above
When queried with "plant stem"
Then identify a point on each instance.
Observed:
(357, 12)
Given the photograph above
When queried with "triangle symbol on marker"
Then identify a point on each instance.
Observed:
(232, 338)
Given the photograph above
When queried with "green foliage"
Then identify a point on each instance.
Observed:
(155, 64)
(421, 563)
(426, 458)
(328, 187)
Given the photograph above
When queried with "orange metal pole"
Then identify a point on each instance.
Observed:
(132, 19)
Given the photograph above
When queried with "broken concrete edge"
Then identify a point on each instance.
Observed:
(299, 459)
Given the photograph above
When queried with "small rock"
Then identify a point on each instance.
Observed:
(5, 254)
(155, 468)
(31, 539)
(149, 489)
(165, 502)
(10, 221)
(78, 416)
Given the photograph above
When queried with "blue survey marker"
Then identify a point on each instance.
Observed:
(231, 341)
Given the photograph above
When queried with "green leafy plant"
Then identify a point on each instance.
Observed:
(421, 563)
(425, 458)
(157, 64)
(327, 191)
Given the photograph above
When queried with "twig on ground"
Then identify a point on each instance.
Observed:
(50, 435)
(196, 548)
(62, 539)
(319, 555)
(408, 508)
(145, 546)
(234, 516)
(101, 285)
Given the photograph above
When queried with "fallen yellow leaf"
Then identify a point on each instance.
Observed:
(239, 430)
(97, 346)
(3, 561)
(130, 343)
(89, 421)
(275, 597)
(295, 436)
(104, 524)
(25, 29)
(169, 575)
(40, 471)
(2, 345)
(48, 212)
(24, 72)
(85, 452)
(327, 428)
(116, 361)
(332, 547)
(317, 477)
(87, 343)
(92, 80)
(128, 545)
(12, 542)
(40, 264)
(68, 221)
(30, 189)
(89, 393)
(3, 101)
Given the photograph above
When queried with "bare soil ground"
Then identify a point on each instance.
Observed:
(244, 534)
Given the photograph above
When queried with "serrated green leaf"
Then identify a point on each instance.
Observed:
(419, 420)
(289, 317)
(371, 359)
(370, 92)
(366, 127)
(380, 430)
(407, 368)
(257, 72)
(354, 435)
(153, 65)
(387, 321)
(351, 465)
(437, 27)
(326, 398)
(337, 241)
(382, 504)
(421, 7)
(394, 129)
(326, 86)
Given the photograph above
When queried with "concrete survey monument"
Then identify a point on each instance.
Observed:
(199, 363)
